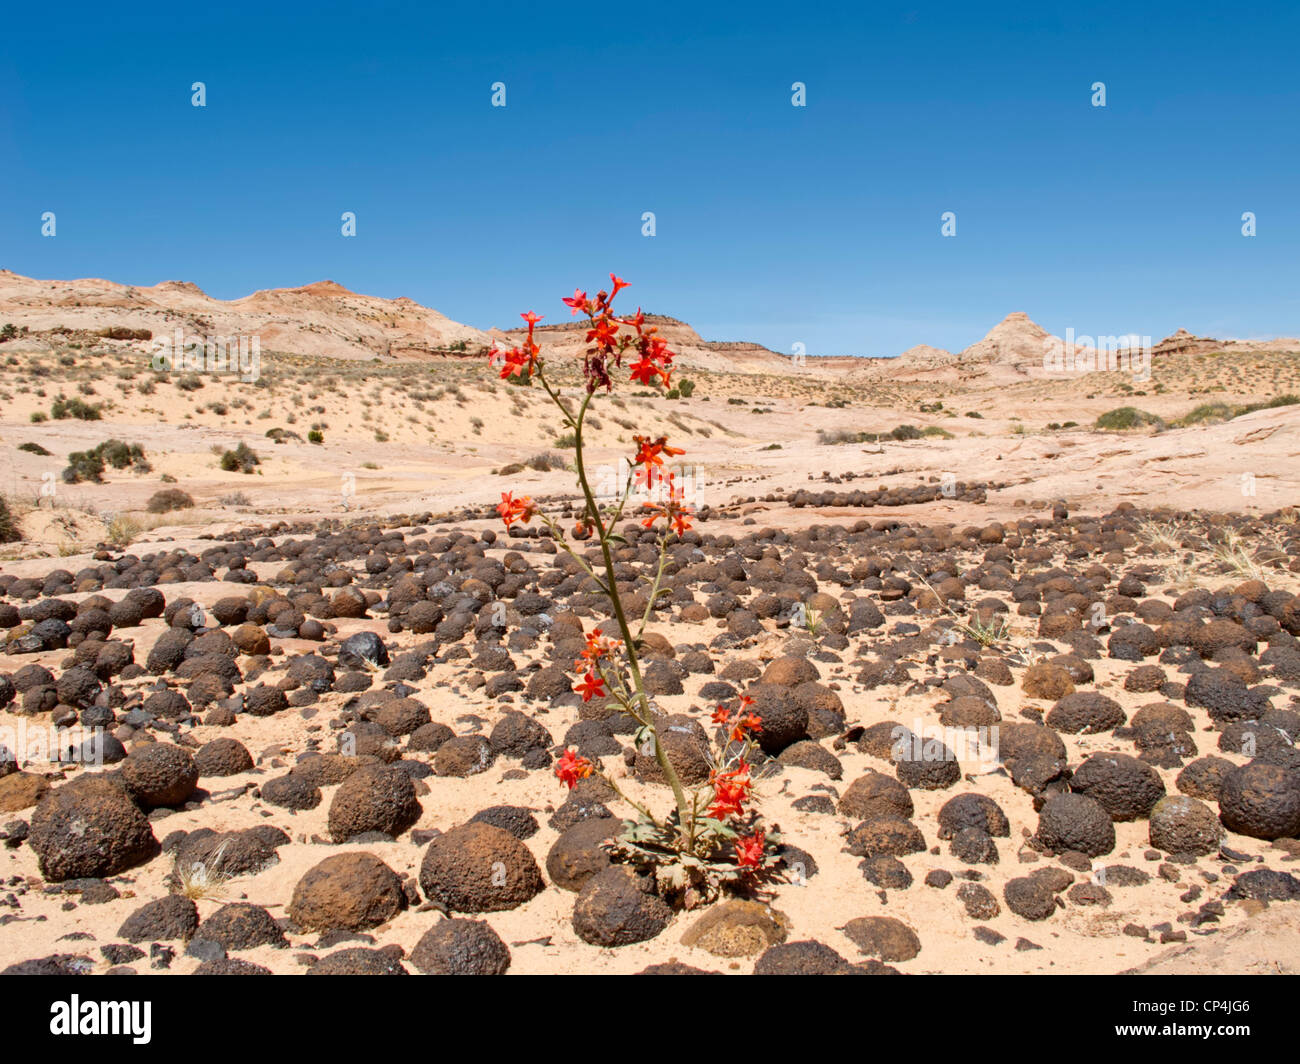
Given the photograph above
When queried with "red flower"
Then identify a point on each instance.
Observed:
(598, 646)
(730, 791)
(571, 768)
(649, 451)
(590, 686)
(673, 509)
(619, 285)
(603, 331)
(645, 372)
(749, 722)
(749, 850)
(512, 509)
(532, 319)
(578, 301)
(721, 715)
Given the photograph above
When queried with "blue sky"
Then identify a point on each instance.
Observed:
(817, 225)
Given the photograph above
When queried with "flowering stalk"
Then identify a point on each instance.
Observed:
(608, 343)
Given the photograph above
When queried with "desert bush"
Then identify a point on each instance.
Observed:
(546, 461)
(315, 436)
(905, 432)
(90, 465)
(8, 525)
(833, 437)
(1206, 412)
(122, 529)
(686, 387)
(169, 499)
(242, 459)
(34, 448)
(120, 332)
(189, 382)
(82, 466)
(64, 408)
(1124, 418)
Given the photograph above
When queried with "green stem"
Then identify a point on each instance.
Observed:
(620, 616)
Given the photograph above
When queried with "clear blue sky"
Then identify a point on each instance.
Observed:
(818, 225)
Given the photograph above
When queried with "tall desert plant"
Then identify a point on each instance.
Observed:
(712, 836)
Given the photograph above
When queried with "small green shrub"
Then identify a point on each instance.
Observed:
(1124, 418)
(169, 499)
(242, 459)
(64, 408)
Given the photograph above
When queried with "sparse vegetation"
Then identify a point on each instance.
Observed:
(1126, 418)
(90, 465)
(169, 499)
(546, 461)
(242, 459)
(8, 524)
(63, 408)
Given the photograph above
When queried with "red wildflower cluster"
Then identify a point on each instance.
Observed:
(749, 850)
(649, 463)
(607, 344)
(512, 509)
(744, 723)
(599, 647)
(673, 509)
(520, 361)
(730, 792)
(571, 768)
(590, 686)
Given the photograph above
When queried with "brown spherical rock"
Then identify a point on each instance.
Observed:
(160, 775)
(1180, 824)
(1261, 801)
(478, 868)
(89, 828)
(1126, 787)
(349, 891)
(876, 794)
(222, 757)
(21, 790)
(461, 947)
(883, 937)
(737, 928)
(790, 672)
(373, 798)
(578, 854)
(1076, 822)
(1029, 897)
(1047, 681)
(464, 755)
(1085, 713)
(615, 908)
